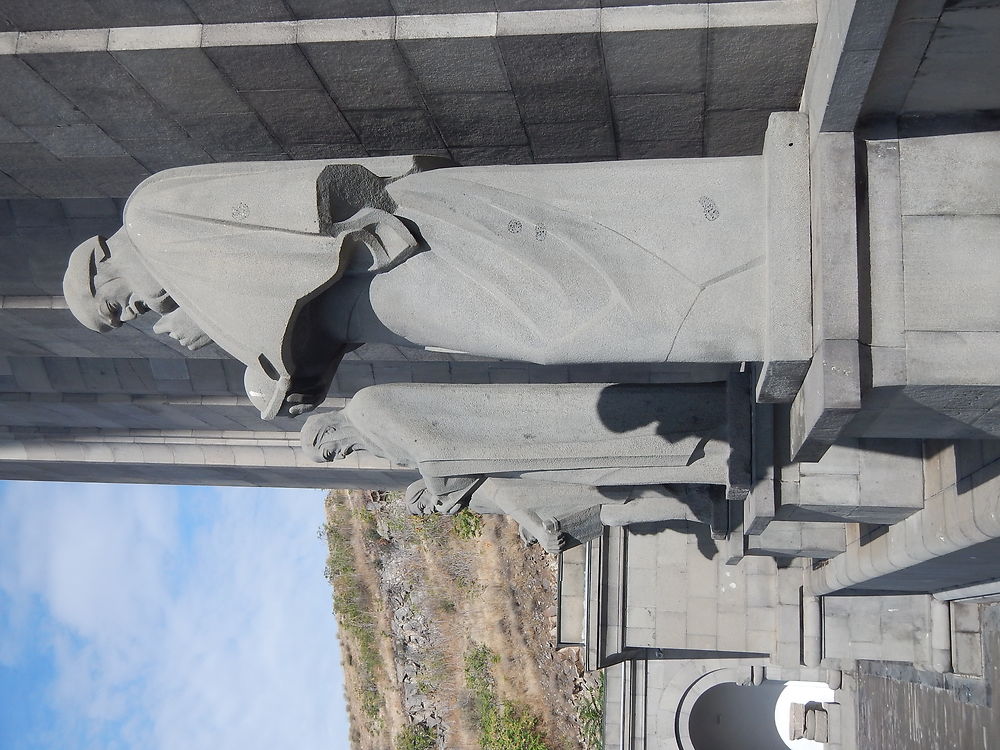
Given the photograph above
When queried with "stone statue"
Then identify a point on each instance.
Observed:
(574, 452)
(289, 265)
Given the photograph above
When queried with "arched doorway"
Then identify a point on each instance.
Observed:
(739, 717)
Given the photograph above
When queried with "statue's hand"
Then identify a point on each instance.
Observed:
(300, 403)
(180, 327)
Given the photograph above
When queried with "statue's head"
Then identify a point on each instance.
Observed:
(329, 437)
(104, 290)
(419, 500)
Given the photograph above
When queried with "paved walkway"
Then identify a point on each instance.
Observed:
(902, 714)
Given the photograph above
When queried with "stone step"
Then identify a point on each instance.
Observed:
(798, 539)
(875, 481)
(787, 651)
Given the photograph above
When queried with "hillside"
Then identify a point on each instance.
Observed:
(447, 628)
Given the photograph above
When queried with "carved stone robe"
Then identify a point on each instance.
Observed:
(578, 433)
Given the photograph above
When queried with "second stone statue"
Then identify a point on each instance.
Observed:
(564, 460)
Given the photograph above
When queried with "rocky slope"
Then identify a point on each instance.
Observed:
(447, 632)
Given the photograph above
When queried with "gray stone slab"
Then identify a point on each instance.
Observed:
(159, 155)
(492, 155)
(108, 175)
(739, 405)
(340, 9)
(227, 11)
(350, 380)
(760, 504)
(416, 7)
(656, 62)
(954, 291)
(788, 341)
(431, 372)
(43, 247)
(6, 220)
(58, 14)
(326, 151)
(75, 140)
(867, 23)
(207, 376)
(107, 93)
(846, 97)
(364, 75)
(135, 375)
(758, 67)
(184, 81)
(834, 238)
(885, 246)
(547, 104)
(10, 133)
(829, 398)
(897, 64)
(409, 130)
(11, 188)
(659, 117)
(29, 374)
(892, 474)
(515, 5)
(453, 65)
(509, 375)
(28, 99)
(301, 116)
(572, 140)
(960, 66)
(478, 119)
(224, 136)
(842, 459)
(127, 13)
(64, 374)
(269, 67)
(950, 358)
(551, 63)
(36, 213)
(36, 169)
(99, 374)
(950, 175)
(392, 373)
(690, 149)
(7, 380)
(169, 369)
(832, 494)
(90, 208)
(735, 132)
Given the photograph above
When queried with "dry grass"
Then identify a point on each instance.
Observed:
(475, 590)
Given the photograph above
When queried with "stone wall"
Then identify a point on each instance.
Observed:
(91, 111)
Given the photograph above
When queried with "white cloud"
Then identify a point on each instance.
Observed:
(178, 617)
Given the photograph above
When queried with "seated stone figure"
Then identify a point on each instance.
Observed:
(574, 449)
(288, 266)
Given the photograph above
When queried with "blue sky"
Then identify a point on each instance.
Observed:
(165, 617)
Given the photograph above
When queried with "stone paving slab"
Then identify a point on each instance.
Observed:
(920, 711)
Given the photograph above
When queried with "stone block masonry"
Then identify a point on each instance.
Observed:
(90, 111)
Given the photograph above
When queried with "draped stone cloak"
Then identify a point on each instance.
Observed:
(239, 248)
(579, 433)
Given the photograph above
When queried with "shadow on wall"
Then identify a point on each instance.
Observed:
(734, 717)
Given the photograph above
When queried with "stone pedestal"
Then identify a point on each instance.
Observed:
(906, 292)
